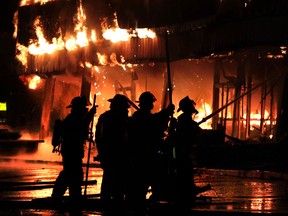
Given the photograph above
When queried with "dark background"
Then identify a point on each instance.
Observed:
(23, 105)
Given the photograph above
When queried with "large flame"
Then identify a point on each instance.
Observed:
(117, 34)
(203, 111)
(30, 2)
(42, 55)
(42, 46)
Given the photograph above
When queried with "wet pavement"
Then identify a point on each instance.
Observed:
(234, 192)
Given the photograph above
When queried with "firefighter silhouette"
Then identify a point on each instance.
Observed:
(74, 133)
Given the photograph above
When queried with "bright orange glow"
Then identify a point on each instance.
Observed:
(117, 34)
(41, 46)
(255, 118)
(30, 2)
(42, 55)
(103, 60)
(204, 110)
(32, 81)
(259, 190)
(22, 55)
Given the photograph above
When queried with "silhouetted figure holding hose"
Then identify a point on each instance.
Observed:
(187, 136)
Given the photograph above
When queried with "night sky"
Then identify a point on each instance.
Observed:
(12, 90)
(7, 43)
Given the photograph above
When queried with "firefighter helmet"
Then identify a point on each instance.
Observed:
(78, 102)
(146, 97)
(187, 104)
(119, 100)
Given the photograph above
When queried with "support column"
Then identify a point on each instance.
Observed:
(47, 106)
(215, 102)
(86, 83)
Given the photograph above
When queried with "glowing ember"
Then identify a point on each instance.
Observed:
(34, 82)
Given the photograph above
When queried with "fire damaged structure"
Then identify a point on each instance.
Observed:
(244, 40)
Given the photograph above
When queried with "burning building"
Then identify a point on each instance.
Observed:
(228, 55)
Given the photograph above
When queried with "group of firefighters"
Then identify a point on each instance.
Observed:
(136, 153)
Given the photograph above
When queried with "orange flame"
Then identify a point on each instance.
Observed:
(43, 55)
(30, 2)
(32, 81)
(117, 34)
(204, 110)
